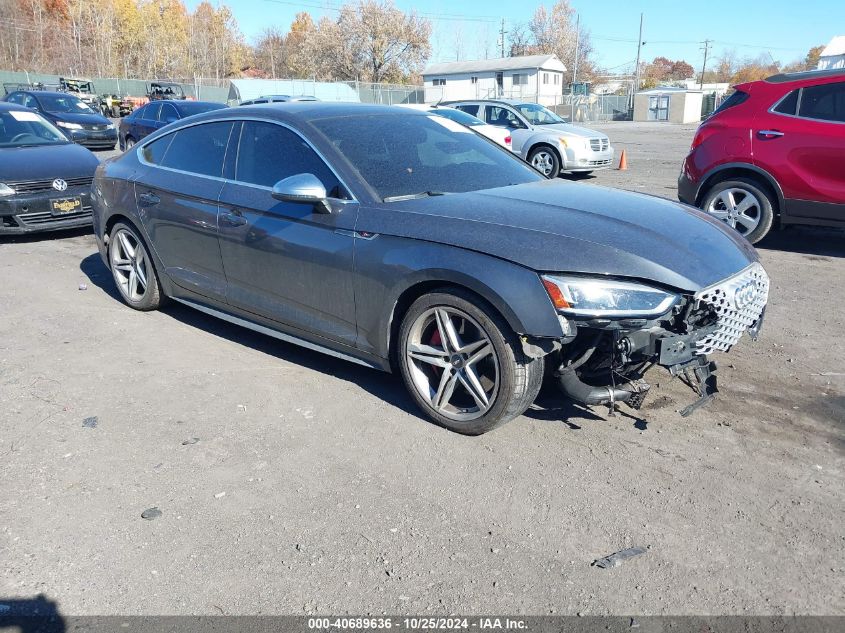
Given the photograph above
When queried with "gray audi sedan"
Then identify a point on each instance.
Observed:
(403, 241)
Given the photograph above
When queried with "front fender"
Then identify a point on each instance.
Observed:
(389, 267)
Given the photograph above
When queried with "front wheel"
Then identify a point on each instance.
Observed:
(463, 365)
(545, 160)
(132, 269)
(742, 204)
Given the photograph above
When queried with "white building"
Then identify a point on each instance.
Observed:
(532, 77)
(833, 55)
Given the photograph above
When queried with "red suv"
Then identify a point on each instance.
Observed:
(773, 152)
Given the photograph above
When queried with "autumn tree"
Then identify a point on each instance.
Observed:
(663, 70)
(556, 31)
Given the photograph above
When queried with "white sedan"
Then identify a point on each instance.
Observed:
(495, 134)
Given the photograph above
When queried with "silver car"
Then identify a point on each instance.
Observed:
(541, 137)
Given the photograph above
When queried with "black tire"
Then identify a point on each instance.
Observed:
(547, 159)
(519, 376)
(713, 204)
(123, 273)
(115, 112)
(128, 143)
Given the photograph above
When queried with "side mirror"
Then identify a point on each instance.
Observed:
(303, 189)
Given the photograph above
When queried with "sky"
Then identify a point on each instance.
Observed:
(468, 29)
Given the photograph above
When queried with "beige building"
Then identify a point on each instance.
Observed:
(673, 105)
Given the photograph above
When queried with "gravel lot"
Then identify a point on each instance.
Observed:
(291, 482)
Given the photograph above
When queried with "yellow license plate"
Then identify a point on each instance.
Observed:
(65, 206)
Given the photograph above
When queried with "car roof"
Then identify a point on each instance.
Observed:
(47, 93)
(5, 106)
(510, 102)
(805, 75)
(183, 104)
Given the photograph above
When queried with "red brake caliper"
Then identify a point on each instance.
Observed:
(436, 341)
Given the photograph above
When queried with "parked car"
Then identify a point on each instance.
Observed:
(772, 154)
(165, 91)
(384, 237)
(45, 179)
(278, 99)
(71, 115)
(544, 139)
(495, 134)
(156, 114)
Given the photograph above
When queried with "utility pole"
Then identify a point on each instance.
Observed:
(706, 49)
(637, 69)
(574, 69)
(502, 32)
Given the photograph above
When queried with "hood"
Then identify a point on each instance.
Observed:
(90, 118)
(46, 162)
(556, 226)
(572, 130)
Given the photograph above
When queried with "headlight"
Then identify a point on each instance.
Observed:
(6, 190)
(69, 126)
(110, 126)
(582, 296)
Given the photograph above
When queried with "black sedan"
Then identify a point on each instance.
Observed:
(45, 180)
(396, 239)
(71, 115)
(156, 114)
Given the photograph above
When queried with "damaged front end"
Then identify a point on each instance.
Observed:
(617, 330)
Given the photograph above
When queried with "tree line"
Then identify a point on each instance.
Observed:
(368, 40)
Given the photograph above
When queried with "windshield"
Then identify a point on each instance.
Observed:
(189, 108)
(62, 104)
(456, 115)
(21, 128)
(408, 155)
(538, 115)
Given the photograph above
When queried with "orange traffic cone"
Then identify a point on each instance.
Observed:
(623, 162)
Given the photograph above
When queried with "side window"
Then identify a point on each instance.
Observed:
(30, 102)
(469, 109)
(825, 102)
(199, 149)
(267, 153)
(155, 151)
(151, 113)
(15, 97)
(168, 113)
(788, 103)
(502, 117)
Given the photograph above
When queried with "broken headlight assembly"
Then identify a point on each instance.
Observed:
(606, 298)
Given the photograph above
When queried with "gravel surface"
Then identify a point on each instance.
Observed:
(170, 463)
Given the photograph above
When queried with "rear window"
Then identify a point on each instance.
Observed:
(788, 104)
(734, 100)
(825, 102)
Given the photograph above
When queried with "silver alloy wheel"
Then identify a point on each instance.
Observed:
(543, 161)
(128, 265)
(453, 364)
(739, 208)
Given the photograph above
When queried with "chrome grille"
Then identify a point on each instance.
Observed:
(95, 126)
(599, 144)
(47, 185)
(738, 303)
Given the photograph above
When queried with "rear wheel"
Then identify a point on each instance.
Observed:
(129, 142)
(742, 204)
(463, 365)
(132, 269)
(545, 160)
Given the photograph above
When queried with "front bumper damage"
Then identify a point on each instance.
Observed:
(604, 361)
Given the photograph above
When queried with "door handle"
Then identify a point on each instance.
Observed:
(770, 133)
(233, 218)
(149, 199)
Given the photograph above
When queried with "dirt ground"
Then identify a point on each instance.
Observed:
(293, 483)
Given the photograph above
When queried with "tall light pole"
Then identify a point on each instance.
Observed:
(637, 69)
(704, 65)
